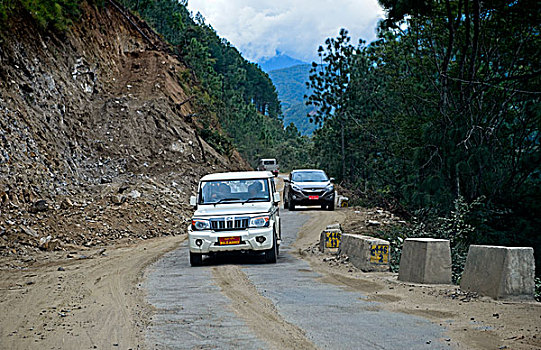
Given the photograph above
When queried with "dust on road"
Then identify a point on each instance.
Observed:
(89, 301)
(257, 311)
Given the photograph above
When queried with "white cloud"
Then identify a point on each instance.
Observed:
(296, 27)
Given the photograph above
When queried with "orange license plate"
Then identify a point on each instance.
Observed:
(313, 197)
(229, 240)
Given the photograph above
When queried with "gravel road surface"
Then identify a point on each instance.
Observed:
(239, 302)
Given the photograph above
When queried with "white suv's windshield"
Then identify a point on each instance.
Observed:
(309, 176)
(234, 191)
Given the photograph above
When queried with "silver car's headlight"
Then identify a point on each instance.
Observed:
(259, 221)
(200, 224)
(296, 188)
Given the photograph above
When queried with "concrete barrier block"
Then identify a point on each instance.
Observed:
(500, 272)
(365, 252)
(343, 202)
(426, 260)
(334, 227)
(329, 240)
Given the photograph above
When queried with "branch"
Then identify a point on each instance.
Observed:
(491, 85)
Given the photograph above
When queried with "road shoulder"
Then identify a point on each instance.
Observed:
(471, 323)
(89, 300)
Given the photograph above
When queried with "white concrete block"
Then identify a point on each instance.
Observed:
(426, 260)
(500, 272)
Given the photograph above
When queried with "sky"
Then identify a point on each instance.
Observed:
(259, 28)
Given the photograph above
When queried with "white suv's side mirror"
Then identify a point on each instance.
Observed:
(193, 201)
(276, 197)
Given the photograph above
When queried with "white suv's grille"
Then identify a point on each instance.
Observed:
(229, 223)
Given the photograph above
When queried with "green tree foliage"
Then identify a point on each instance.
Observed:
(50, 14)
(6, 9)
(444, 105)
(291, 86)
(329, 82)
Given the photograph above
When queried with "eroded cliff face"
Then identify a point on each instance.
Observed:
(97, 136)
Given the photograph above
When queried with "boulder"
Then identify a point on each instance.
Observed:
(38, 206)
(118, 199)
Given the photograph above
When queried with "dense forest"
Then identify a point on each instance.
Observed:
(290, 84)
(439, 117)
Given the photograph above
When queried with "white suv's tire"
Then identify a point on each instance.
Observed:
(196, 259)
(271, 255)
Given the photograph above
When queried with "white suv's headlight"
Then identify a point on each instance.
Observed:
(259, 221)
(330, 187)
(200, 224)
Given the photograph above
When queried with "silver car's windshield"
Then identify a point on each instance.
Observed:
(309, 176)
(234, 191)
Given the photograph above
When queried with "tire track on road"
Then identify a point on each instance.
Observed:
(258, 311)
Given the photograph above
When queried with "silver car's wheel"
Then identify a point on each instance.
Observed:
(291, 206)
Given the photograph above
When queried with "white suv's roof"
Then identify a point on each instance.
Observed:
(239, 175)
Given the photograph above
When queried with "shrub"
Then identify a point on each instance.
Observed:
(49, 14)
(455, 227)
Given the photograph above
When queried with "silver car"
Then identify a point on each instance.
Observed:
(309, 187)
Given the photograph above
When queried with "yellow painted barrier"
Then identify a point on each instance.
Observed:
(332, 238)
(379, 254)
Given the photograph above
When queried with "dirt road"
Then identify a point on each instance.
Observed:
(88, 301)
(93, 299)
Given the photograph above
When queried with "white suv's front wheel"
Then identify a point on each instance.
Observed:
(196, 259)
(271, 255)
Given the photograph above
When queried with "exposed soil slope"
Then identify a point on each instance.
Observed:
(97, 136)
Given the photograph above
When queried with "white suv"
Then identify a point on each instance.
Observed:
(237, 211)
(269, 165)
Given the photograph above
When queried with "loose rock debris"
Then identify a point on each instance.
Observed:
(96, 146)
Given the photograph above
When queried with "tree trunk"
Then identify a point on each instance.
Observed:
(343, 147)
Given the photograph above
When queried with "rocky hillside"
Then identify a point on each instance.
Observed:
(98, 136)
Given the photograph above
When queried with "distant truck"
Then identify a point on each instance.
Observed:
(236, 211)
(269, 164)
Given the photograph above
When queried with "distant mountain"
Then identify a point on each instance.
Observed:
(291, 86)
(279, 61)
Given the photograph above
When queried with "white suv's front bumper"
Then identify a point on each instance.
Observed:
(209, 240)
